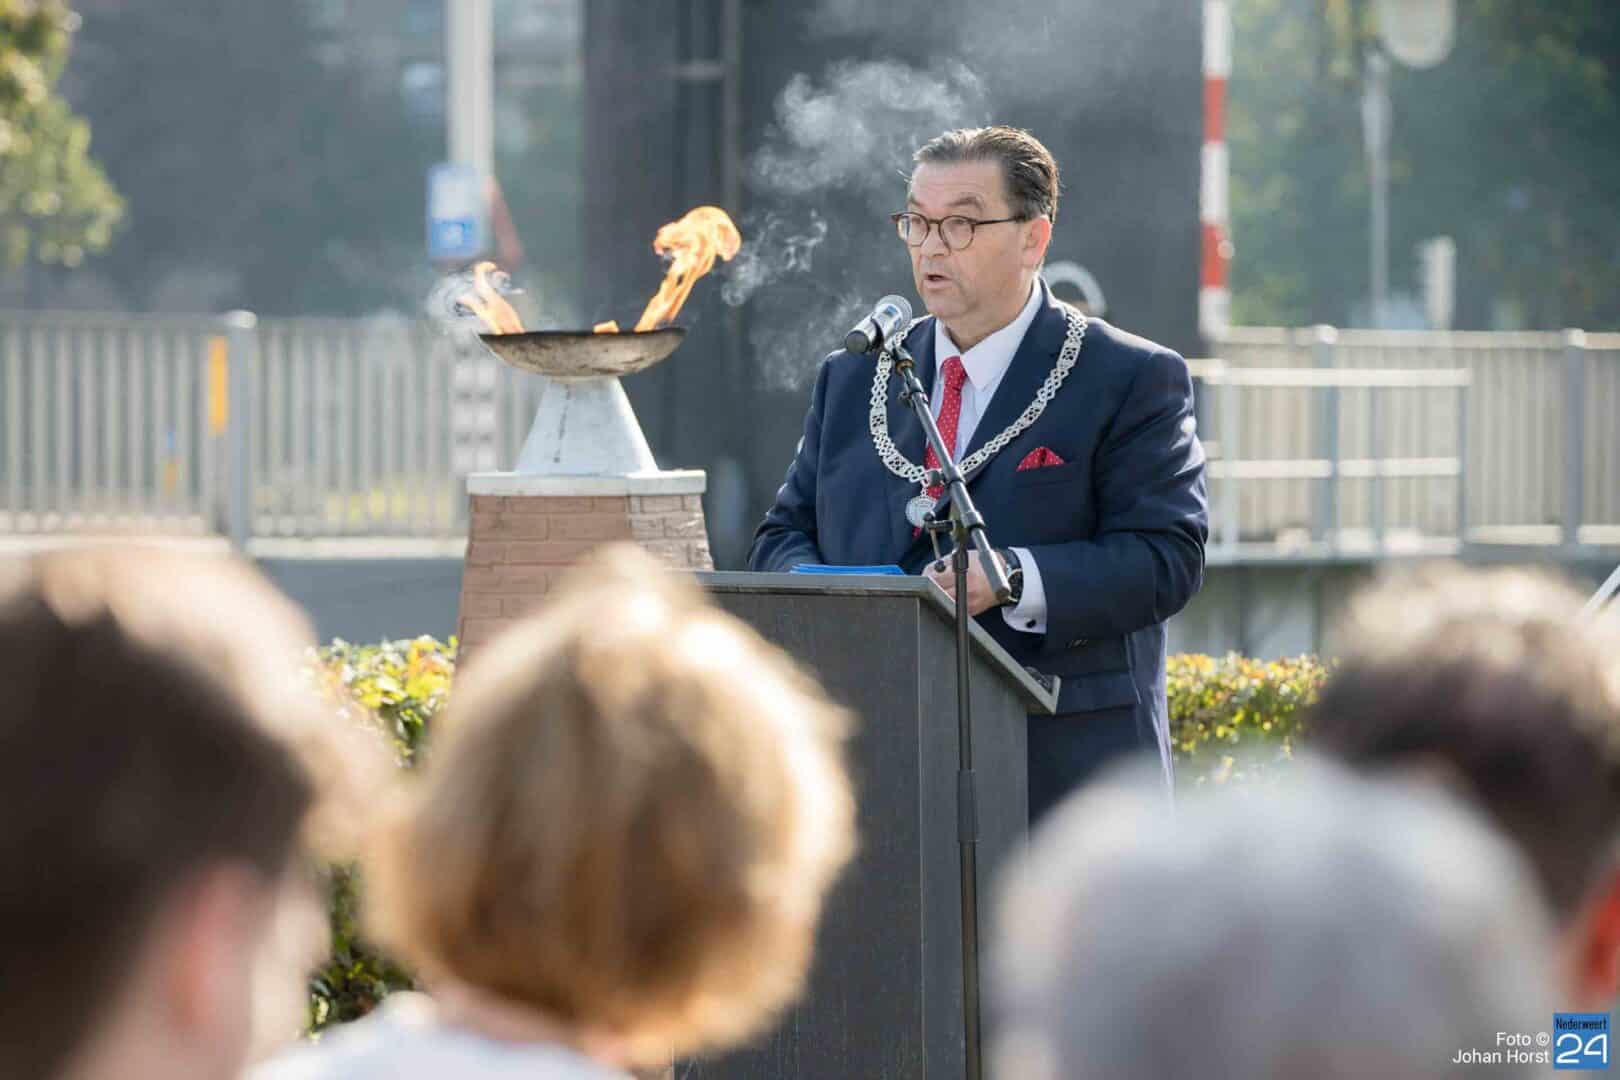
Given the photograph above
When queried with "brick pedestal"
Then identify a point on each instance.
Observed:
(526, 530)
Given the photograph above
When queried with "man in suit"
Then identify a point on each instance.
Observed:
(1095, 499)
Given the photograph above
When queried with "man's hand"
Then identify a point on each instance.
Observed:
(980, 598)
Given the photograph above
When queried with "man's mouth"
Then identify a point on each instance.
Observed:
(935, 279)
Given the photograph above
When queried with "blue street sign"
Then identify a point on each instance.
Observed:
(458, 213)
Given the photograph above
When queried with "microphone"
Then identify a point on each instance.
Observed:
(890, 316)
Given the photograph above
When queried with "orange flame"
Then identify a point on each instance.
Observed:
(489, 305)
(609, 327)
(692, 243)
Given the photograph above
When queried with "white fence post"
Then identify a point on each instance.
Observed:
(1574, 434)
(1462, 467)
(1375, 451)
(1227, 425)
(241, 352)
(1325, 521)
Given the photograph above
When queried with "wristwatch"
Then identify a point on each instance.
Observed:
(1015, 575)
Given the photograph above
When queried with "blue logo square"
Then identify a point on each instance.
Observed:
(1580, 1041)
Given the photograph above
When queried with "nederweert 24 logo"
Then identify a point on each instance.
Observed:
(1580, 1040)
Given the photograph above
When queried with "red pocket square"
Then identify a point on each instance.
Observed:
(1040, 458)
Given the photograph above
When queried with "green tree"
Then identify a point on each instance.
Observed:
(55, 202)
(260, 171)
(1511, 146)
(1298, 186)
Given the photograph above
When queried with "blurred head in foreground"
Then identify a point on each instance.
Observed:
(1326, 927)
(155, 799)
(1494, 682)
(625, 826)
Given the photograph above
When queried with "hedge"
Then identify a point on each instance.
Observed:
(397, 685)
(1235, 718)
(1232, 720)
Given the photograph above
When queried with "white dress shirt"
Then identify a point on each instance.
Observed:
(984, 365)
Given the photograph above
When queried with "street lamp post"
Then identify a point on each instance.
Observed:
(470, 84)
(1419, 34)
(1375, 123)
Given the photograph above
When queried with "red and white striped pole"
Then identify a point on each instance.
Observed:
(1214, 296)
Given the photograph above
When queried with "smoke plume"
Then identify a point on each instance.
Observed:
(859, 128)
(777, 247)
(832, 168)
(839, 151)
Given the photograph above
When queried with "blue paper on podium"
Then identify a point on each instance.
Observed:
(887, 569)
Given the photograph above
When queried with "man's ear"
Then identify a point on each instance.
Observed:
(1595, 948)
(1036, 241)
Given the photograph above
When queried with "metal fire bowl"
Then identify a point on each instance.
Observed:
(578, 354)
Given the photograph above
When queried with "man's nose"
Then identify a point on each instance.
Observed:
(934, 243)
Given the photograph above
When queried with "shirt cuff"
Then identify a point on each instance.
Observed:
(1029, 614)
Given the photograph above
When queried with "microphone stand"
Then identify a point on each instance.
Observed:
(967, 528)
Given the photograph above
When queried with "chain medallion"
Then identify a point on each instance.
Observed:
(903, 467)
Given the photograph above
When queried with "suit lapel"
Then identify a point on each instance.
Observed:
(907, 434)
(904, 429)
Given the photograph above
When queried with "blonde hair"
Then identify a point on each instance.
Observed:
(628, 820)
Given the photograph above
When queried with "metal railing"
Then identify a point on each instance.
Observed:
(274, 428)
(102, 420)
(1534, 435)
(1347, 505)
(1321, 441)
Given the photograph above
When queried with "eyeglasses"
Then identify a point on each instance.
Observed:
(955, 231)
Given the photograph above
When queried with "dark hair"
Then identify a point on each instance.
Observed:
(1027, 166)
(1494, 679)
(130, 760)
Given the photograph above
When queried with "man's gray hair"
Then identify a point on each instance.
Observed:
(1329, 927)
(1028, 168)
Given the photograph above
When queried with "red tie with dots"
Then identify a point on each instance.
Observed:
(950, 414)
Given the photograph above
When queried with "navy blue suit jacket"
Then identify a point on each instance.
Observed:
(1118, 530)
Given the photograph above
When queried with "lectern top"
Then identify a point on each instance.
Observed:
(1034, 695)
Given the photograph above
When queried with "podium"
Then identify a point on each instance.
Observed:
(885, 993)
